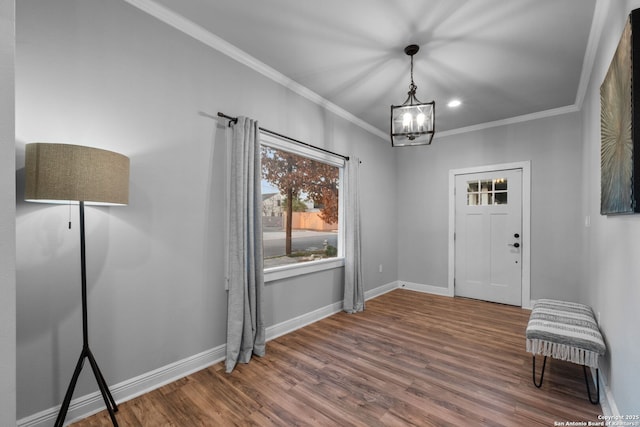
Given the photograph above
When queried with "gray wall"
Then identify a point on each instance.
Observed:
(553, 145)
(7, 217)
(105, 74)
(612, 249)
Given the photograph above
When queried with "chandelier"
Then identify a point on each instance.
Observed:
(413, 122)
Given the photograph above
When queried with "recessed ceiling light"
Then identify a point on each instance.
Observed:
(454, 103)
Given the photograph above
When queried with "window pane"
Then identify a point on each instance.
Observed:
(304, 193)
(472, 186)
(472, 199)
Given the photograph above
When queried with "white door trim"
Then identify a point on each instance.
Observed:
(526, 222)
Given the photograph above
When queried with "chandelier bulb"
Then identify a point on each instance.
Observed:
(406, 120)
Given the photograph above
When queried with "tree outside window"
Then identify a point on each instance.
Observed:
(310, 207)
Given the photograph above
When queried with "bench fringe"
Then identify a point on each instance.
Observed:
(563, 352)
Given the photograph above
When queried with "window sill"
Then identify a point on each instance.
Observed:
(285, 271)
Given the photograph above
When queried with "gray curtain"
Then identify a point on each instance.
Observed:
(245, 327)
(353, 286)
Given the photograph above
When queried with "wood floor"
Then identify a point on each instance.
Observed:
(409, 359)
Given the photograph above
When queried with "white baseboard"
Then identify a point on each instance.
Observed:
(89, 404)
(428, 289)
(381, 290)
(291, 325)
(608, 405)
(92, 403)
(438, 290)
(308, 318)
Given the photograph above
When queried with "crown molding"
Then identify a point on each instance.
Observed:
(199, 33)
(597, 25)
(511, 120)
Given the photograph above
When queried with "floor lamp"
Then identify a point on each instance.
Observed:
(63, 173)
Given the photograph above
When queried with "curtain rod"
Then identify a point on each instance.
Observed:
(235, 120)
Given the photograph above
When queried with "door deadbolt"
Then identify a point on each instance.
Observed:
(516, 235)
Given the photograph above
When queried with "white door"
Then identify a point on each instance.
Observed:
(488, 236)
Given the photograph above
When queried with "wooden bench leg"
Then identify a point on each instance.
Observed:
(586, 380)
(544, 364)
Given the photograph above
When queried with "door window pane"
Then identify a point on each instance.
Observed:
(500, 184)
(487, 192)
(500, 198)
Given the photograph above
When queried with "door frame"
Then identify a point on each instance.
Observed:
(526, 222)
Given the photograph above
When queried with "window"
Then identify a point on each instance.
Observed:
(307, 185)
(486, 192)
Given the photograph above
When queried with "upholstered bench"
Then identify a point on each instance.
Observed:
(566, 331)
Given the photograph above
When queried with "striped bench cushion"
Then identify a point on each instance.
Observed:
(566, 331)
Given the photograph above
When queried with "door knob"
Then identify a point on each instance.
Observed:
(516, 245)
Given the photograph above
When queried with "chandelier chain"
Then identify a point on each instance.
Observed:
(413, 87)
(411, 99)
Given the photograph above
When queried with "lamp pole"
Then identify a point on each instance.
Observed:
(86, 351)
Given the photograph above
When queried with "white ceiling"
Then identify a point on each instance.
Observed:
(502, 59)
